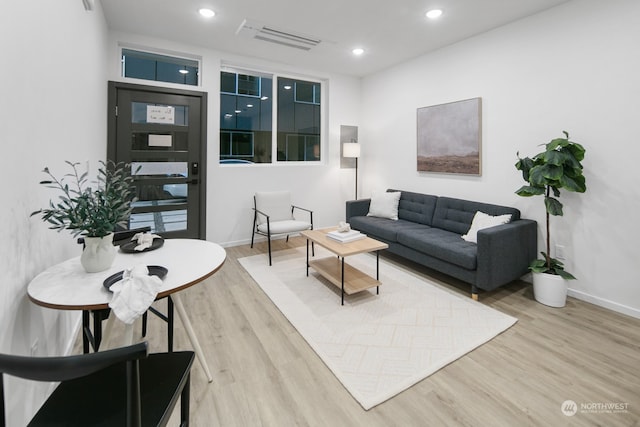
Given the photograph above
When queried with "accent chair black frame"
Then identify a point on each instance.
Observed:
(125, 386)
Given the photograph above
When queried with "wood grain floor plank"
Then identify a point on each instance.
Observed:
(265, 374)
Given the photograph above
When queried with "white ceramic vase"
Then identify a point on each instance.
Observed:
(98, 253)
(550, 289)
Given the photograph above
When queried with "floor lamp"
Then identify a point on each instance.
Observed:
(352, 150)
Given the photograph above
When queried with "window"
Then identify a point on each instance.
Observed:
(307, 92)
(247, 114)
(236, 144)
(298, 120)
(245, 118)
(160, 68)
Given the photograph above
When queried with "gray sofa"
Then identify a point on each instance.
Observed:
(429, 229)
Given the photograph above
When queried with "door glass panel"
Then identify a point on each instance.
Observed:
(144, 112)
(166, 169)
(153, 141)
(160, 194)
(160, 221)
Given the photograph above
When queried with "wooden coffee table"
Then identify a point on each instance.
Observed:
(349, 279)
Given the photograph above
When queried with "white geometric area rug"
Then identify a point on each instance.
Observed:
(376, 345)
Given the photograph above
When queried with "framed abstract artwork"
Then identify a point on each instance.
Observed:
(450, 137)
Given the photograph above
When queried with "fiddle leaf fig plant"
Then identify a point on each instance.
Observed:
(557, 167)
(84, 209)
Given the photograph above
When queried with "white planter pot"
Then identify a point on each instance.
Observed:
(550, 289)
(98, 253)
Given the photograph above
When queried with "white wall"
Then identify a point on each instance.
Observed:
(52, 109)
(571, 68)
(321, 187)
(574, 68)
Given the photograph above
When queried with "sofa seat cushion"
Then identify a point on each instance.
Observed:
(441, 244)
(383, 228)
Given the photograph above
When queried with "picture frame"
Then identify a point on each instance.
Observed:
(449, 137)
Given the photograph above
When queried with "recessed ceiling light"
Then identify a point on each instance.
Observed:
(207, 13)
(358, 51)
(434, 13)
(183, 71)
(287, 87)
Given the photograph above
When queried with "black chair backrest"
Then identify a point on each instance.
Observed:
(70, 367)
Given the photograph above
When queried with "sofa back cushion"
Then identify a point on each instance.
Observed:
(456, 215)
(416, 207)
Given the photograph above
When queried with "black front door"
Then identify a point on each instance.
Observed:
(162, 132)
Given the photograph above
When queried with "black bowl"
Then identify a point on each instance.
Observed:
(130, 247)
(154, 270)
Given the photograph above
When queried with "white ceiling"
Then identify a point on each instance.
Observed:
(390, 31)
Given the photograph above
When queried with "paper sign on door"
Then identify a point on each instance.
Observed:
(161, 114)
(159, 140)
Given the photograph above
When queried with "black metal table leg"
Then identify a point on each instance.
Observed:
(342, 280)
(378, 271)
(144, 324)
(85, 329)
(170, 323)
(91, 339)
(307, 257)
(167, 318)
(97, 329)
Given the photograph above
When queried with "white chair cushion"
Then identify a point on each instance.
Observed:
(288, 226)
(276, 204)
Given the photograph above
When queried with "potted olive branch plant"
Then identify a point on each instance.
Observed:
(557, 167)
(94, 212)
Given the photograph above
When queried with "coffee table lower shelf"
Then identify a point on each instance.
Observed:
(354, 280)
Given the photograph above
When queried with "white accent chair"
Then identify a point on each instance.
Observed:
(273, 214)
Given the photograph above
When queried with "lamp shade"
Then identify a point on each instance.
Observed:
(351, 149)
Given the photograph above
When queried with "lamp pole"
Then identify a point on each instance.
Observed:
(356, 178)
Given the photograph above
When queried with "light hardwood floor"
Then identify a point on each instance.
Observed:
(265, 374)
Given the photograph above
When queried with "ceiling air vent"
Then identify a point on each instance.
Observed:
(267, 33)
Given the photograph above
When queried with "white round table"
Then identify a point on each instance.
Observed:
(66, 286)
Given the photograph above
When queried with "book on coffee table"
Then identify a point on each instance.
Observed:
(346, 236)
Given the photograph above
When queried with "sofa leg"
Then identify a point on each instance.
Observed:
(474, 292)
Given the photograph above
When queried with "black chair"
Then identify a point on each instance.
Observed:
(121, 387)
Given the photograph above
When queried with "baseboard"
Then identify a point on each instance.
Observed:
(601, 302)
(256, 240)
(235, 243)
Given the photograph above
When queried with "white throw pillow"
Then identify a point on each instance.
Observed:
(385, 204)
(482, 220)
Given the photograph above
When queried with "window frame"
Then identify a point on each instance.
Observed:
(163, 53)
(234, 132)
(274, 76)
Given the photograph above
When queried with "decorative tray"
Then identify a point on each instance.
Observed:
(154, 270)
(130, 247)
